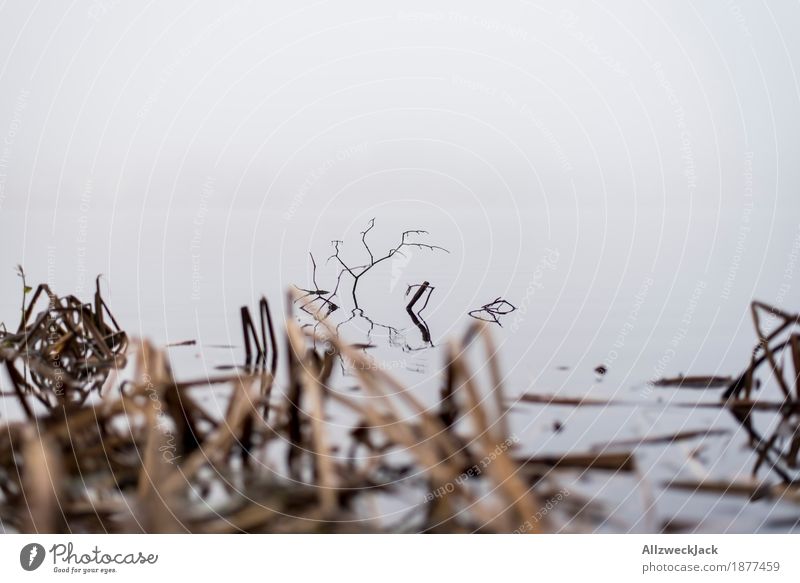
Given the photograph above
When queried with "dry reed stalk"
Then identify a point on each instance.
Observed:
(434, 448)
(216, 445)
(503, 470)
(324, 467)
(497, 388)
(41, 484)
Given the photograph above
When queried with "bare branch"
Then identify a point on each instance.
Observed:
(364, 240)
(358, 271)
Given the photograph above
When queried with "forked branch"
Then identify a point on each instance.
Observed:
(359, 271)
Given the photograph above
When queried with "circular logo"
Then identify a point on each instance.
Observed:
(31, 556)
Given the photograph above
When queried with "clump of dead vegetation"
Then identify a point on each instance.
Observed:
(764, 399)
(133, 449)
(775, 360)
(773, 370)
(63, 349)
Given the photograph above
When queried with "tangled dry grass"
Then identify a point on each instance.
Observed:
(128, 448)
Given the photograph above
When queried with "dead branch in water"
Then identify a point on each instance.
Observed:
(263, 343)
(694, 382)
(356, 272)
(316, 294)
(492, 311)
(415, 315)
(425, 286)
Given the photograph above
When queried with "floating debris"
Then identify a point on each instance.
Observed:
(492, 311)
(182, 343)
(694, 382)
(751, 489)
(678, 526)
(613, 462)
(661, 439)
(740, 405)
